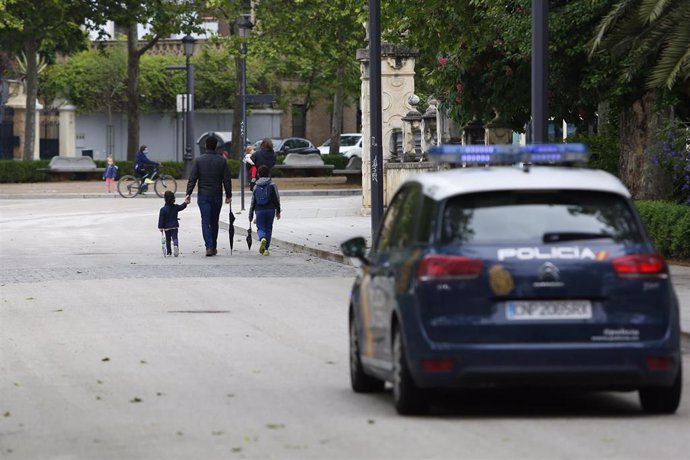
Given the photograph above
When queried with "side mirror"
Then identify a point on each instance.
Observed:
(355, 247)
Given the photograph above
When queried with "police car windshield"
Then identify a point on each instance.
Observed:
(538, 217)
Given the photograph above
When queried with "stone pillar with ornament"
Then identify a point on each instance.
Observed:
(411, 130)
(397, 85)
(17, 101)
(498, 131)
(430, 134)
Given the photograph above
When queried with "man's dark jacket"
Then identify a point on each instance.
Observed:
(264, 157)
(212, 172)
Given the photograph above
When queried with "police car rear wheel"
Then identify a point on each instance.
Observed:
(662, 400)
(360, 382)
(407, 397)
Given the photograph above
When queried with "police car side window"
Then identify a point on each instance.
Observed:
(406, 224)
(386, 234)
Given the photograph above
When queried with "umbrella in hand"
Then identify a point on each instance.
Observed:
(249, 236)
(231, 230)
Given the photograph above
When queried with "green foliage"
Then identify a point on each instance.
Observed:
(338, 161)
(475, 55)
(671, 153)
(604, 149)
(308, 42)
(648, 34)
(95, 80)
(22, 171)
(92, 80)
(669, 227)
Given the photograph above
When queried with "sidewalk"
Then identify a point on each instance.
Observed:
(316, 218)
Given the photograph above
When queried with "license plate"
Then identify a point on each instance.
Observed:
(549, 310)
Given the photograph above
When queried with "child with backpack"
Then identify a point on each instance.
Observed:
(168, 224)
(266, 203)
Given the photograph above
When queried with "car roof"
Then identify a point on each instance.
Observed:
(443, 184)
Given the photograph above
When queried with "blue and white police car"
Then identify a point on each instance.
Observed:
(526, 269)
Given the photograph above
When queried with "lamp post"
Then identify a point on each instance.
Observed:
(375, 116)
(540, 70)
(188, 44)
(244, 26)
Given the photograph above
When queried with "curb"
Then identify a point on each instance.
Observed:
(320, 253)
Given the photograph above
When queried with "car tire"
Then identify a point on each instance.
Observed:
(662, 400)
(408, 398)
(360, 382)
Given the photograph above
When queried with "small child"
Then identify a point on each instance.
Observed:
(110, 174)
(266, 204)
(168, 222)
(251, 167)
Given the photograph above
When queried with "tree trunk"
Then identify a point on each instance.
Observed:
(337, 117)
(30, 49)
(132, 92)
(237, 150)
(639, 126)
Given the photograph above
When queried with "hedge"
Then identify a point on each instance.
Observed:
(669, 226)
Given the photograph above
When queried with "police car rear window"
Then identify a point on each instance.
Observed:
(538, 217)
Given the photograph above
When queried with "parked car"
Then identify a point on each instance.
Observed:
(350, 145)
(285, 145)
(513, 274)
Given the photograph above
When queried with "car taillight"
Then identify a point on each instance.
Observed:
(640, 266)
(447, 268)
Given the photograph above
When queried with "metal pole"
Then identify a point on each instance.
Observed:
(189, 148)
(243, 122)
(540, 70)
(375, 123)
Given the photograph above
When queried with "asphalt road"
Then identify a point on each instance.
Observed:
(110, 351)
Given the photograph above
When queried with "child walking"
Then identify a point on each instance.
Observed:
(266, 203)
(250, 166)
(110, 174)
(168, 223)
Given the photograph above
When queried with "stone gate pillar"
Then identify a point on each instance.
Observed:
(397, 85)
(68, 131)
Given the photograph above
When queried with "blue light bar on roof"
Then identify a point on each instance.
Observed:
(510, 154)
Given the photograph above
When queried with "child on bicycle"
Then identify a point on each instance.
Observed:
(168, 223)
(110, 174)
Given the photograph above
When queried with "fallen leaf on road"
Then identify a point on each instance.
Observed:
(7, 414)
(275, 426)
(135, 400)
(237, 449)
(105, 359)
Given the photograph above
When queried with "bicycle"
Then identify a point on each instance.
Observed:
(130, 186)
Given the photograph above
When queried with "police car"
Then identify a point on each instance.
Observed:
(519, 268)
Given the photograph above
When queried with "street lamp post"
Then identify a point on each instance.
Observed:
(188, 44)
(375, 117)
(540, 70)
(244, 25)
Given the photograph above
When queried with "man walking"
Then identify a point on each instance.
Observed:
(212, 172)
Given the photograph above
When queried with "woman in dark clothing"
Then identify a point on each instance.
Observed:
(266, 203)
(265, 156)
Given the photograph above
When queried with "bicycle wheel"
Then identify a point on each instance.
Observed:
(164, 183)
(128, 186)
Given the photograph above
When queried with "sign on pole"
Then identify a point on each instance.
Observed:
(182, 102)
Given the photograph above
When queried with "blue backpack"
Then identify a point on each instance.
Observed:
(262, 194)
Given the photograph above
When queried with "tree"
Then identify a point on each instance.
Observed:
(33, 25)
(648, 43)
(312, 45)
(163, 18)
(475, 55)
(641, 32)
